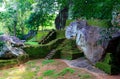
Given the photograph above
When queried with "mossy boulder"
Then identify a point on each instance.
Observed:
(8, 63)
(69, 50)
(49, 37)
(69, 55)
(40, 51)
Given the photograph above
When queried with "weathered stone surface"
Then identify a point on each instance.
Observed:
(11, 46)
(12, 39)
(89, 39)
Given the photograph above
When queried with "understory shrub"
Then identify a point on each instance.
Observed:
(107, 65)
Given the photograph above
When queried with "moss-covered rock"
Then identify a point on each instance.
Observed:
(69, 50)
(23, 58)
(40, 51)
(60, 34)
(49, 37)
(71, 55)
(8, 63)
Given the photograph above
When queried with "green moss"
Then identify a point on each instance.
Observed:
(69, 50)
(49, 37)
(68, 22)
(23, 58)
(44, 62)
(104, 66)
(71, 55)
(108, 65)
(11, 62)
(97, 22)
(48, 72)
(60, 34)
(41, 51)
(31, 43)
(108, 58)
(39, 36)
(65, 71)
(93, 22)
(8, 63)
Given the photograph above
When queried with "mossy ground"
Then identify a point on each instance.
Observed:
(44, 69)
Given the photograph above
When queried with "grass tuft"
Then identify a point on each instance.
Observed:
(48, 72)
(44, 62)
(65, 71)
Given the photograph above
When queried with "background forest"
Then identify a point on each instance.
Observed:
(18, 17)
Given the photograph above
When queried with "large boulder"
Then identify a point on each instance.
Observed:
(10, 46)
(89, 39)
(11, 39)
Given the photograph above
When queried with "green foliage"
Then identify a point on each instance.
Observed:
(48, 72)
(108, 58)
(100, 9)
(15, 15)
(104, 66)
(107, 65)
(44, 62)
(39, 36)
(41, 15)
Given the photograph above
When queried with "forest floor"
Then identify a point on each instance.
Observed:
(51, 69)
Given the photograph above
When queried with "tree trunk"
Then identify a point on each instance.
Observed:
(61, 18)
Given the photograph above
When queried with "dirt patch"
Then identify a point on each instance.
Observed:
(38, 69)
(60, 65)
(51, 69)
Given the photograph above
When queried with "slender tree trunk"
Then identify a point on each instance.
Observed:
(61, 18)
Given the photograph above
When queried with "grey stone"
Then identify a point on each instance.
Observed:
(88, 37)
(11, 46)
